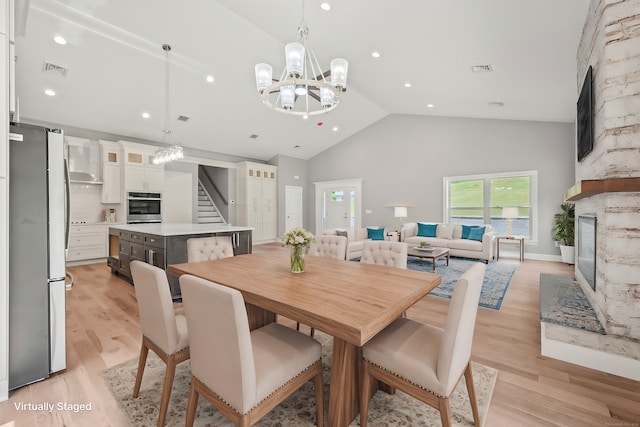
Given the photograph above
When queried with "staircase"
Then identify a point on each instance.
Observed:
(207, 211)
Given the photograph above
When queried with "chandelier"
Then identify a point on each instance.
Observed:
(174, 151)
(303, 89)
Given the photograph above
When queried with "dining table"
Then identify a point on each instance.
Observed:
(351, 301)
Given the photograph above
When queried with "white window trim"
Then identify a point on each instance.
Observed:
(533, 193)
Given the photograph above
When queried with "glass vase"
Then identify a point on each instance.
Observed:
(297, 259)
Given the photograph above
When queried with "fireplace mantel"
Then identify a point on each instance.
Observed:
(590, 187)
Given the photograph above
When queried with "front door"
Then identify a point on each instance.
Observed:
(339, 208)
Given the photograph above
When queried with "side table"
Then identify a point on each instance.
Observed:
(393, 236)
(510, 239)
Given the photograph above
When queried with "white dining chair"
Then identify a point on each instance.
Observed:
(243, 374)
(163, 330)
(425, 361)
(329, 246)
(382, 252)
(209, 248)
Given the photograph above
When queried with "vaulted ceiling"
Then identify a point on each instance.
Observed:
(115, 66)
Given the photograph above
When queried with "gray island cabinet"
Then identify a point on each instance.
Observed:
(164, 244)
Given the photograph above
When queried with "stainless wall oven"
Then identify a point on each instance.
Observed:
(144, 207)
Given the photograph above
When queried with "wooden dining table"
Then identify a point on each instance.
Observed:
(352, 301)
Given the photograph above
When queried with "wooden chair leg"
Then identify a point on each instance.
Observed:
(192, 404)
(445, 412)
(471, 389)
(364, 395)
(313, 332)
(318, 385)
(142, 361)
(166, 389)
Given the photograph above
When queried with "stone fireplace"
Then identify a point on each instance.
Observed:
(608, 179)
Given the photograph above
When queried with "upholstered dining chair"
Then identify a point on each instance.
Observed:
(424, 361)
(382, 252)
(209, 248)
(163, 330)
(243, 374)
(329, 246)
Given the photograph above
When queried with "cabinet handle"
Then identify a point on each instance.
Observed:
(151, 256)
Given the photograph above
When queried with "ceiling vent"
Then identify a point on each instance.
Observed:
(481, 68)
(48, 66)
(496, 104)
(183, 118)
(253, 136)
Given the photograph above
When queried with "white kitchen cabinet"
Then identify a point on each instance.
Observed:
(140, 174)
(87, 242)
(111, 172)
(256, 191)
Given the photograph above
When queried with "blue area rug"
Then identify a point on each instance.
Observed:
(563, 302)
(497, 278)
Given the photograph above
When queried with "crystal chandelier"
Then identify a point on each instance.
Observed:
(302, 78)
(174, 151)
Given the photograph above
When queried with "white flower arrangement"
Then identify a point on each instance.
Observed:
(297, 237)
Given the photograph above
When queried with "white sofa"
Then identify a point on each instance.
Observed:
(450, 236)
(355, 239)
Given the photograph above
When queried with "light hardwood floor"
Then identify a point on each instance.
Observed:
(103, 331)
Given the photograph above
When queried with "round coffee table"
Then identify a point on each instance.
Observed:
(434, 254)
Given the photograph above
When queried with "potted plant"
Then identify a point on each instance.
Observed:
(564, 231)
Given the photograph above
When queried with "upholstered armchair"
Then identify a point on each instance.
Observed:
(163, 330)
(243, 374)
(425, 361)
(209, 248)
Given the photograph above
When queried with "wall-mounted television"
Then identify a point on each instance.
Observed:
(584, 119)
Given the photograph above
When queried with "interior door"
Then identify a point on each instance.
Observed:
(339, 208)
(293, 207)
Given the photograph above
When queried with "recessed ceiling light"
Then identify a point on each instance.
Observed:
(50, 92)
(375, 54)
(210, 79)
(305, 117)
(407, 85)
(429, 105)
(335, 129)
(325, 6)
(60, 40)
(146, 115)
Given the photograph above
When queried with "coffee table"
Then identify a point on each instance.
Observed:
(434, 255)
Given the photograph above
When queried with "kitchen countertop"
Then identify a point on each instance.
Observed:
(178, 229)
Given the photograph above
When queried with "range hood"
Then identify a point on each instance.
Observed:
(84, 178)
(84, 161)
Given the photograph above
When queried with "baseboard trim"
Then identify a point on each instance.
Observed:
(589, 358)
(4, 390)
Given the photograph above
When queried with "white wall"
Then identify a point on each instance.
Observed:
(177, 197)
(4, 170)
(403, 159)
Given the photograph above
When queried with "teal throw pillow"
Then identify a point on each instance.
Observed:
(427, 230)
(476, 233)
(375, 233)
(465, 230)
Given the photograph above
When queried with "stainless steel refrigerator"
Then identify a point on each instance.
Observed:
(38, 231)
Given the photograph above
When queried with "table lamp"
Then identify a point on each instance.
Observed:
(400, 212)
(510, 212)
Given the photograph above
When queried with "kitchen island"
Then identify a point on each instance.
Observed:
(164, 244)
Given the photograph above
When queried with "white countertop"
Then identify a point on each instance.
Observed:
(178, 229)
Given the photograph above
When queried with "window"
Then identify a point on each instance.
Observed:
(479, 199)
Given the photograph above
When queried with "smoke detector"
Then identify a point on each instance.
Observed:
(183, 118)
